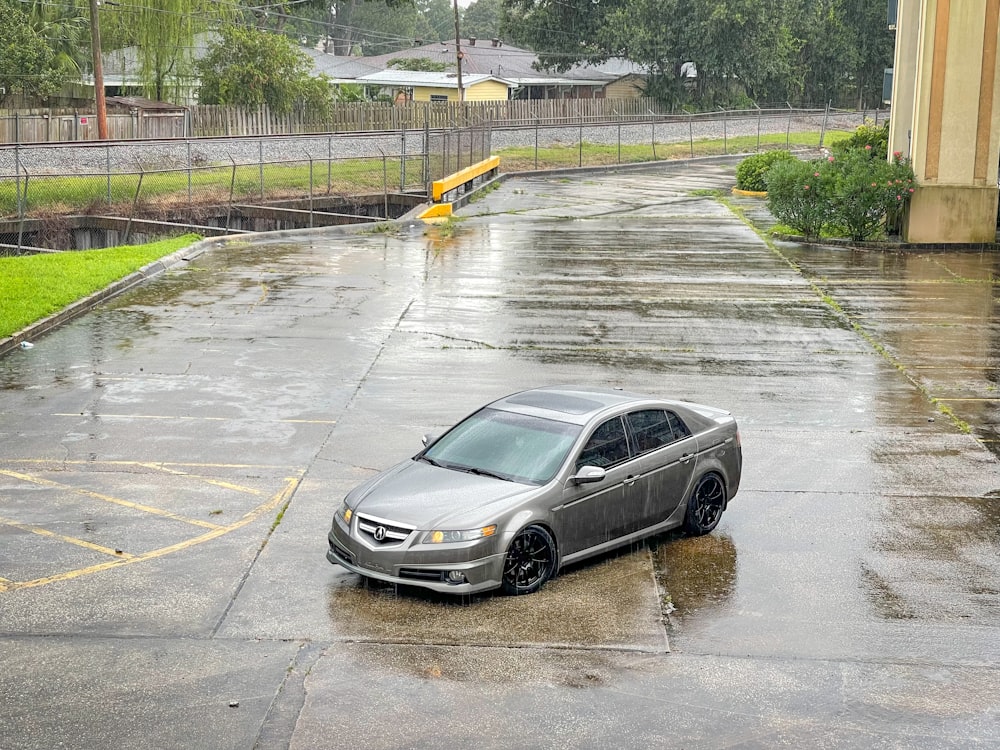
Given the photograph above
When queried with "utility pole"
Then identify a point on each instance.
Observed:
(458, 54)
(95, 45)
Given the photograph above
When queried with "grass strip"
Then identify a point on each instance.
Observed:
(33, 287)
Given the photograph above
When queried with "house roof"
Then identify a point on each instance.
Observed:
(508, 63)
(428, 79)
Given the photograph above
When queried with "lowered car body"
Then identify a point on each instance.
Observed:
(535, 481)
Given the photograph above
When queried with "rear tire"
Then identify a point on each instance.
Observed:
(705, 505)
(530, 561)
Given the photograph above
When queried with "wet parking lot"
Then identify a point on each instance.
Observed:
(169, 464)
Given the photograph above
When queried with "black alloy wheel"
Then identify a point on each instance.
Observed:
(530, 561)
(706, 505)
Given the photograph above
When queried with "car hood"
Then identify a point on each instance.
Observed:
(426, 496)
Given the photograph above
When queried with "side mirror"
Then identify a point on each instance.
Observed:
(588, 474)
(428, 440)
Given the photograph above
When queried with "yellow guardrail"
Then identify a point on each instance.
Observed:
(452, 181)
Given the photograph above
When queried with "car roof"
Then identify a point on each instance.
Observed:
(570, 403)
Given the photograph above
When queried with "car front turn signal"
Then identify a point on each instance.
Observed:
(470, 535)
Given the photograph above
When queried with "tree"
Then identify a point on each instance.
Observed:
(381, 27)
(483, 19)
(343, 31)
(248, 68)
(163, 35)
(440, 17)
(28, 65)
(66, 29)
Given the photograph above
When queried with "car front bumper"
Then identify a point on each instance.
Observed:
(407, 566)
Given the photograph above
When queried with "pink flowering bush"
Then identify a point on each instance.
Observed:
(798, 194)
(857, 192)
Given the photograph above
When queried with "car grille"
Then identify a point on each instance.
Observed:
(383, 533)
(421, 574)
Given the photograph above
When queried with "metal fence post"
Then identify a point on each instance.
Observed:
(17, 173)
(402, 161)
(822, 131)
(725, 132)
(691, 132)
(107, 157)
(232, 185)
(329, 164)
(581, 140)
(21, 211)
(536, 142)
(309, 157)
(385, 184)
(652, 128)
(135, 202)
(788, 129)
(188, 144)
(427, 151)
(260, 165)
(758, 125)
(619, 119)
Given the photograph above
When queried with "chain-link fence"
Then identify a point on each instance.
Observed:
(198, 182)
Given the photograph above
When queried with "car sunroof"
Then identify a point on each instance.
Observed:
(555, 401)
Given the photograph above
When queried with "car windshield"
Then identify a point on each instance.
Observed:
(510, 446)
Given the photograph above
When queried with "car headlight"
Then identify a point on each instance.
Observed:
(344, 513)
(469, 535)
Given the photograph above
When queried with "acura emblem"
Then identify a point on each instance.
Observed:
(379, 533)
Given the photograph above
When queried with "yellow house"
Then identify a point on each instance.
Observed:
(423, 86)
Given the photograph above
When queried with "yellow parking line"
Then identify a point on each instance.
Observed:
(152, 464)
(281, 497)
(71, 540)
(972, 400)
(109, 499)
(207, 480)
(200, 419)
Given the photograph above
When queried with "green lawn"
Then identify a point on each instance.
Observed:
(35, 286)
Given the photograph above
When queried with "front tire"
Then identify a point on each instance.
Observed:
(705, 505)
(530, 561)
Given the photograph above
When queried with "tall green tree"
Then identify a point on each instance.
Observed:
(248, 67)
(483, 19)
(345, 27)
(163, 33)
(440, 17)
(381, 27)
(28, 64)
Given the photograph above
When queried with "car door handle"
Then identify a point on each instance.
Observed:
(630, 480)
(686, 457)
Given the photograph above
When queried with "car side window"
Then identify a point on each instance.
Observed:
(654, 428)
(680, 429)
(606, 447)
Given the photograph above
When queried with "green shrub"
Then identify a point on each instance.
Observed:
(856, 194)
(799, 194)
(874, 137)
(868, 189)
(752, 171)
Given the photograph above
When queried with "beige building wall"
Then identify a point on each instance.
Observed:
(627, 87)
(951, 48)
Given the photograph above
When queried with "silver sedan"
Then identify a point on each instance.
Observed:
(535, 481)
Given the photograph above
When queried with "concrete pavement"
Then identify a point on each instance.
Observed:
(170, 463)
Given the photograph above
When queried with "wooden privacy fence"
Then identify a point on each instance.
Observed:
(43, 126)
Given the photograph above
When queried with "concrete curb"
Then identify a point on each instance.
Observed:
(81, 306)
